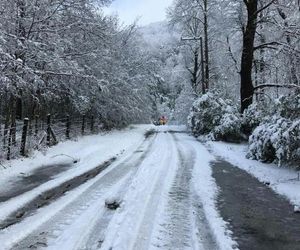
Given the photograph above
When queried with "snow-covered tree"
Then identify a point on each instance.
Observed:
(67, 57)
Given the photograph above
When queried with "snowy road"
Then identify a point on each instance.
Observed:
(165, 192)
(162, 204)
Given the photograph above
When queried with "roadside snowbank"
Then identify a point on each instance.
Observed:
(82, 149)
(282, 180)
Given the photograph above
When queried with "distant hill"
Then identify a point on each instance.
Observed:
(159, 34)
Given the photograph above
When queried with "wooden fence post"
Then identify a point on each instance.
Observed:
(30, 127)
(92, 124)
(48, 129)
(5, 136)
(24, 136)
(13, 133)
(36, 126)
(68, 125)
(9, 144)
(5, 131)
(83, 125)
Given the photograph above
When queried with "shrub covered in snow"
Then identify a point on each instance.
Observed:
(274, 127)
(277, 138)
(205, 115)
(253, 116)
(215, 117)
(229, 128)
(289, 106)
(286, 106)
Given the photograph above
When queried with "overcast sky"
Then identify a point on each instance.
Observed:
(149, 11)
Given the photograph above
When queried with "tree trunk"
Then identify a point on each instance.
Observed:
(293, 79)
(262, 63)
(20, 53)
(203, 83)
(206, 45)
(195, 72)
(19, 108)
(247, 89)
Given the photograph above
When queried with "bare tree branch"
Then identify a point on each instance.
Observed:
(232, 56)
(270, 85)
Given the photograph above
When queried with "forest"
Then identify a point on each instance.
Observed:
(229, 69)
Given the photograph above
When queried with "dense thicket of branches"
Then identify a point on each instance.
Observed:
(247, 43)
(66, 57)
(253, 63)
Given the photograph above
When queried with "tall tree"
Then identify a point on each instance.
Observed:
(67, 57)
(192, 17)
(249, 32)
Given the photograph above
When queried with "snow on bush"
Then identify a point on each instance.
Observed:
(285, 106)
(229, 128)
(277, 138)
(253, 116)
(215, 117)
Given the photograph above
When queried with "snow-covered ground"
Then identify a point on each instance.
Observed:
(144, 220)
(163, 185)
(89, 151)
(282, 180)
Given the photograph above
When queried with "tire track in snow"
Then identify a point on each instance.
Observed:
(184, 224)
(202, 233)
(174, 231)
(159, 193)
(163, 211)
(132, 224)
(52, 195)
(97, 234)
(160, 208)
(49, 232)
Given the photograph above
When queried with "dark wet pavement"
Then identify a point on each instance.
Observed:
(53, 194)
(25, 183)
(259, 218)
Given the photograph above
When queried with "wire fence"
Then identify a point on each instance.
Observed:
(23, 137)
